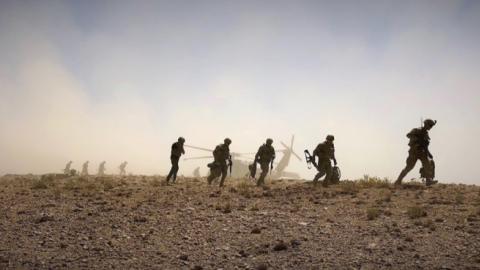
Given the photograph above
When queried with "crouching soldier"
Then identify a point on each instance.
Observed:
(222, 160)
(265, 156)
(419, 140)
(176, 152)
(325, 152)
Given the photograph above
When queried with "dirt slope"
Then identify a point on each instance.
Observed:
(137, 222)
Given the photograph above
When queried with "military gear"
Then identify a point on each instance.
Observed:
(176, 152)
(265, 156)
(419, 141)
(253, 169)
(336, 175)
(219, 167)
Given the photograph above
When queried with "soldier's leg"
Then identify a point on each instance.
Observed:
(224, 174)
(261, 179)
(175, 168)
(428, 169)
(328, 172)
(213, 175)
(411, 161)
(172, 170)
(321, 172)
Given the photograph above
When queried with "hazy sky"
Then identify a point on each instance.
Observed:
(121, 80)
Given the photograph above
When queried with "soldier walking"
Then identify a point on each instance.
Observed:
(325, 152)
(84, 169)
(101, 168)
(122, 167)
(67, 168)
(419, 140)
(176, 152)
(219, 166)
(265, 156)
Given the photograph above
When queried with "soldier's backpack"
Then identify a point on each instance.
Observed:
(253, 169)
(336, 175)
(424, 173)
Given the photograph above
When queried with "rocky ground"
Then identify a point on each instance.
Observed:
(137, 222)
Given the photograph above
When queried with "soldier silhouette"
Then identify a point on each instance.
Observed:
(101, 169)
(84, 169)
(265, 156)
(222, 160)
(419, 140)
(325, 152)
(122, 167)
(67, 168)
(176, 152)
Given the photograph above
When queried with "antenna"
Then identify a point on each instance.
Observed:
(421, 122)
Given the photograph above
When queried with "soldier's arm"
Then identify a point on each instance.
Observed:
(257, 155)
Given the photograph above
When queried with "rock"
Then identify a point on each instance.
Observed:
(280, 246)
(261, 266)
(140, 219)
(183, 257)
(256, 230)
(295, 243)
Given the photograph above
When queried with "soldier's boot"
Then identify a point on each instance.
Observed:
(210, 179)
(222, 182)
(430, 182)
(261, 179)
(315, 179)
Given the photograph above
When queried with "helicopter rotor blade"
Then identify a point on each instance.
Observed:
(198, 148)
(204, 157)
(298, 157)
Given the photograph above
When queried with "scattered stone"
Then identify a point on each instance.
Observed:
(280, 246)
(256, 230)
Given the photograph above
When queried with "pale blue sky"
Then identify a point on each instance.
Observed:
(121, 80)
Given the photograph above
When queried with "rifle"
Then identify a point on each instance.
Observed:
(310, 160)
(230, 163)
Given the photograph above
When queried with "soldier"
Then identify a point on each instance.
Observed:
(419, 142)
(196, 172)
(122, 167)
(176, 152)
(325, 152)
(265, 156)
(67, 168)
(219, 166)
(101, 169)
(85, 169)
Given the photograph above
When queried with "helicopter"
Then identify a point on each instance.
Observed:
(241, 161)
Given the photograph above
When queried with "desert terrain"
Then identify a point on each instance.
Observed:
(138, 222)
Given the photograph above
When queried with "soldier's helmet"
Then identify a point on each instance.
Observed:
(429, 122)
(269, 141)
(181, 139)
(227, 141)
(330, 138)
